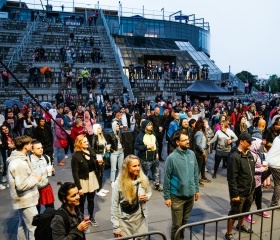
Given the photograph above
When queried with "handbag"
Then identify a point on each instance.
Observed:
(133, 207)
(63, 142)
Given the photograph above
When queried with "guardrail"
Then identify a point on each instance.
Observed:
(18, 52)
(217, 220)
(117, 56)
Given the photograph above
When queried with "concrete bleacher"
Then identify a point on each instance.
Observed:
(52, 37)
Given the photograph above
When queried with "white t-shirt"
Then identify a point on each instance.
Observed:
(272, 156)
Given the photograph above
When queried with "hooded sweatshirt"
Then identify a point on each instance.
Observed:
(23, 183)
(59, 134)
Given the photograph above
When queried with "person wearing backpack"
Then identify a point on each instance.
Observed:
(68, 222)
(41, 163)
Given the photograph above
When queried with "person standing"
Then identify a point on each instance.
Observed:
(130, 194)
(157, 121)
(23, 180)
(84, 171)
(147, 151)
(41, 163)
(181, 182)
(241, 183)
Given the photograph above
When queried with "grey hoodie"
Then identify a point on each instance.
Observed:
(23, 182)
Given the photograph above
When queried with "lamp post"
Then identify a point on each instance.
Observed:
(162, 13)
(120, 14)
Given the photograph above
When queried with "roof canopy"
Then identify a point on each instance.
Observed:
(203, 88)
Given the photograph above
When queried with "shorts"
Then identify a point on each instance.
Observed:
(244, 205)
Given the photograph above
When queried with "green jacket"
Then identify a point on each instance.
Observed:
(180, 174)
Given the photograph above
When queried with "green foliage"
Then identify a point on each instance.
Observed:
(245, 75)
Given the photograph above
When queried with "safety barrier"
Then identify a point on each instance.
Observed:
(214, 235)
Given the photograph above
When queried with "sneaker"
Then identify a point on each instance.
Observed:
(66, 157)
(2, 187)
(249, 219)
(229, 237)
(201, 184)
(158, 187)
(101, 194)
(104, 190)
(214, 176)
(206, 180)
(244, 229)
(93, 222)
(4, 179)
(264, 214)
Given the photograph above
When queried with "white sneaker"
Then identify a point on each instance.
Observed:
(104, 190)
(66, 157)
(2, 187)
(101, 194)
(112, 184)
(4, 179)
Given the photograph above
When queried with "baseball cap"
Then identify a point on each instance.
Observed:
(246, 136)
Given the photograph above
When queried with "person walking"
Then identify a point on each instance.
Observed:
(181, 182)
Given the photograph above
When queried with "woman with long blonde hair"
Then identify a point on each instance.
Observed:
(130, 194)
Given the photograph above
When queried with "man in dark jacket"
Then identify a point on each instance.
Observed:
(147, 151)
(43, 134)
(157, 121)
(241, 182)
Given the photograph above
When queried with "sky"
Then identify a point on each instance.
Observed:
(245, 34)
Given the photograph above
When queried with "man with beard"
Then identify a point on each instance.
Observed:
(181, 182)
(184, 128)
(43, 134)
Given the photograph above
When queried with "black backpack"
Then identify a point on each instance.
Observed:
(43, 223)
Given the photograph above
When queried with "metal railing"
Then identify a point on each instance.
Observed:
(19, 50)
(137, 236)
(217, 220)
(117, 56)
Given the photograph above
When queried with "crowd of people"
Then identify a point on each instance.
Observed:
(242, 136)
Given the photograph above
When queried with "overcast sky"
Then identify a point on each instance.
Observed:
(245, 34)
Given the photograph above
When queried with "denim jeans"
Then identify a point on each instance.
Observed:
(153, 166)
(25, 228)
(116, 158)
(180, 212)
(58, 154)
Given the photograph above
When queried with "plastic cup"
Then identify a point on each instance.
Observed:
(99, 157)
(108, 147)
(87, 218)
(49, 170)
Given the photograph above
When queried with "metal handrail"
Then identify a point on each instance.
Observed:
(18, 52)
(117, 57)
(136, 236)
(236, 216)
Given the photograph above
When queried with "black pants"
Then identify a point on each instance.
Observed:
(159, 137)
(218, 160)
(90, 200)
(201, 164)
(258, 197)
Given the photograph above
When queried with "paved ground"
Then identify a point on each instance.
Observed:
(214, 202)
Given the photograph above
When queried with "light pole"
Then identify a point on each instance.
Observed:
(120, 14)
(162, 13)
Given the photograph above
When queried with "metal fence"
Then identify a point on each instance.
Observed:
(140, 236)
(202, 227)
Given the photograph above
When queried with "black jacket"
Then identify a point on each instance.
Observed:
(80, 166)
(240, 174)
(141, 148)
(112, 139)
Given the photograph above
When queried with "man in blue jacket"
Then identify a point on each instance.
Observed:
(181, 182)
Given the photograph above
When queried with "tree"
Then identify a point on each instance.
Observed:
(245, 76)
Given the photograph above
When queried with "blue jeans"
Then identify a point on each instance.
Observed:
(59, 154)
(154, 167)
(116, 158)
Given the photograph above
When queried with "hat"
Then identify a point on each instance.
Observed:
(145, 123)
(246, 136)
